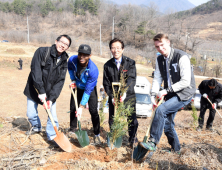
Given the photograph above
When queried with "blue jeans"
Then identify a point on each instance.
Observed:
(32, 114)
(164, 120)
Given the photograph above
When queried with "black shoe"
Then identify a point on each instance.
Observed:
(72, 131)
(209, 128)
(32, 132)
(97, 140)
(131, 143)
(53, 144)
(199, 128)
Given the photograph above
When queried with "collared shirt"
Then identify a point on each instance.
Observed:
(58, 59)
(118, 62)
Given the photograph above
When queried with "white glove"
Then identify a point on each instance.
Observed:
(113, 101)
(214, 105)
(79, 112)
(205, 95)
(72, 85)
(153, 100)
(162, 93)
(122, 98)
(42, 97)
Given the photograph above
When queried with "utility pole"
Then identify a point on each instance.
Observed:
(111, 56)
(100, 41)
(28, 28)
(113, 29)
(187, 36)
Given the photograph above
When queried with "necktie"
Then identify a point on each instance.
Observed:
(118, 64)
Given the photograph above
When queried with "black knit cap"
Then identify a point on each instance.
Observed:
(83, 48)
(212, 83)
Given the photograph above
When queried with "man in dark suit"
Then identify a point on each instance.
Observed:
(113, 69)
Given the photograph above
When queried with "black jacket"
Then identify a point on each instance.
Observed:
(20, 61)
(47, 79)
(215, 95)
(112, 74)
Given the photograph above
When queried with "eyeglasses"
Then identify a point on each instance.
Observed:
(118, 48)
(63, 43)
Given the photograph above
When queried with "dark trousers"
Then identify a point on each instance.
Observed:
(20, 66)
(93, 103)
(132, 127)
(210, 119)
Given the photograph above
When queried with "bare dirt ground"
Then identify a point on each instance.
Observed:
(18, 151)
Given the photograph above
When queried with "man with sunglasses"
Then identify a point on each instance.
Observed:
(45, 82)
(84, 74)
(212, 90)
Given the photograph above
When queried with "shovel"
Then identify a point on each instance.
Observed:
(114, 92)
(118, 142)
(139, 152)
(60, 138)
(214, 108)
(81, 135)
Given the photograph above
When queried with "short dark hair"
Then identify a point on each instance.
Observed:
(64, 35)
(212, 83)
(116, 40)
(159, 37)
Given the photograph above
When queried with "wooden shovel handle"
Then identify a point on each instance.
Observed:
(114, 93)
(49, 113)
(212, 105)
(75, 98)
(151, 120)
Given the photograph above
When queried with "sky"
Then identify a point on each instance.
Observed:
(198, 2)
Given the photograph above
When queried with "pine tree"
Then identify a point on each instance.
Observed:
(141, 29)
(19, 7)
(123, 111)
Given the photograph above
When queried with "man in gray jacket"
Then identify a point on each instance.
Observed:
(174, 69)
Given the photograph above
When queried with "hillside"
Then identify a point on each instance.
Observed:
(196, 34)
(206, 8)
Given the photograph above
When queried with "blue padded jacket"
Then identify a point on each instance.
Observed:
(88, 78)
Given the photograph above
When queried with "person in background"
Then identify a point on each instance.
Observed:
(45, 82)
(84, 74)
(113, 69)
(174, 69)
(212, 90)
(20, 63)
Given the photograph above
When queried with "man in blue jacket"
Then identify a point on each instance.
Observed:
(84, 74)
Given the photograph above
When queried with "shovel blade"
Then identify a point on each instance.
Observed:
(82, 137)
(139, 153)
(63, 142)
